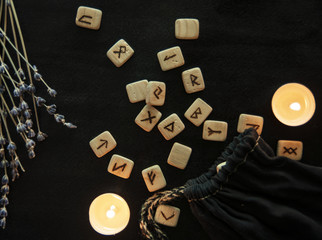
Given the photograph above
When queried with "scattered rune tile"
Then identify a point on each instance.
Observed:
(167, 215)
(136, 91)
(170, 58)
(87, 17)
(290, 149)
(179, 155)
(148, 118)
(154, 178)
(215, 130)
(171, 126)
(103, 144)
(187, 28)
(120, 166)
(120, 52)
(155, 93)
(198, 112)
(250, 121)
(193, 80)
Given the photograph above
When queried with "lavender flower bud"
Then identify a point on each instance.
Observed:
(31, 154)
(2, 89)
(29, 123)
(3, 212)
(3, 141)
(17, 92)
(31, 133)
(52, 92)
(31, 88)
(27, 114)
(70, 125)
(21, 128)
(41, 136)
(14, 164)
(15, 111)
(59, 118)
(14, 174)
(4, 163)
(40, 101)
(11, 146)
(30, 144)
(35, 68)
(3, 68)
(23, 105)
(5, 180)
(1, 35)
(4, 201)
(8, 3)
(51, 109)
(23, 87)
(37, 76)
(3, 223)
(5, 189)
(21, 74)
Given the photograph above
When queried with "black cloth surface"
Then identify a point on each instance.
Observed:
(257, 195)
(246, 50)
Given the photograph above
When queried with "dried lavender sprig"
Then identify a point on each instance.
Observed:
(37, 75)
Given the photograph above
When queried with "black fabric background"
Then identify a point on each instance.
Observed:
(246, 50)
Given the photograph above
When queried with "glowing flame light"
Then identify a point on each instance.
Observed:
(295, 106)
(110, 213)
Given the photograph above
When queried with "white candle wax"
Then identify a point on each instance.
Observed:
(109, 214)
(293, 104)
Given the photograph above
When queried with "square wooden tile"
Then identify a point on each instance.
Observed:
(198, 112)
(155, 93)
(215, 130)
(103, 144)
(148, 118)
(167, 215)
(187, 28)
(87, 17)
(136, 91)
(171, 126)
(179, 155)
(120, 166)
(290, 149)
(170, 58)
(193, 80)
(248, 121)
(153, 178)
(120, 52)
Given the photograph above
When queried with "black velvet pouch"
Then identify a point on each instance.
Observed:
(257, 195)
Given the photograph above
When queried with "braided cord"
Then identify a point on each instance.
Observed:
(149, 228)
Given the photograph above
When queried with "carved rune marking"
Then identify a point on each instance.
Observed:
(121, 166)
(122, 50)
(148, 118)
(167, 58)
(83, 21)
(167, 218)
(170, 127)
(255, 126)
(104, 143)
(193, 79)
(195, 114)
(290, 150)
(151, 176)
(210, 131)
(157, 92)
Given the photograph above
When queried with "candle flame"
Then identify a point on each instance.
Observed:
(295, 106)
(110, 213)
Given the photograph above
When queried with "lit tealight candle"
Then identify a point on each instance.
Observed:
(293, 104)
(109, 214)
